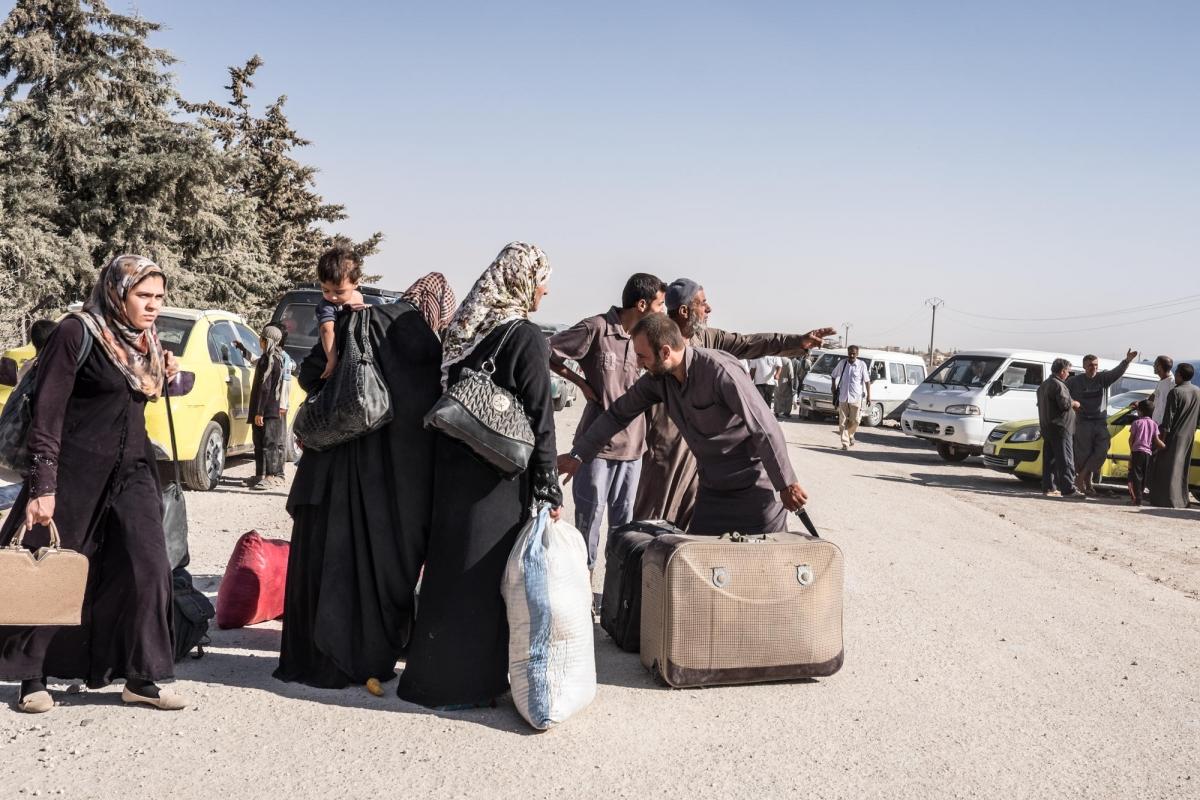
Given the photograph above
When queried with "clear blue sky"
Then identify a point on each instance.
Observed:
(809, 163)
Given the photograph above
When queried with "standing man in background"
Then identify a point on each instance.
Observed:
(785, 391)
(851, 389)
(670, 482)
(1056, 416)
(765, 371)
(1169, 483)
(1166, 382)
(604, 351)
(1090, 388)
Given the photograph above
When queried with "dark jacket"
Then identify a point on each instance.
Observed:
(1054, 405)
(1092, 393)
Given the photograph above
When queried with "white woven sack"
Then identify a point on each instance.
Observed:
(548, 592)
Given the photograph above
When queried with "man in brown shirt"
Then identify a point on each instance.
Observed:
(740, 448)
(604, 350)
(669, 481)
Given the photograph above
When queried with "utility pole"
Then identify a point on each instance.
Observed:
(846, 337)
(933, 303)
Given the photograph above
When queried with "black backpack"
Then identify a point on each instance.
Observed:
(191, 612)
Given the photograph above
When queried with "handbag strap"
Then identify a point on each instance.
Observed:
(55, 539)
(171, 429)
(489, 364)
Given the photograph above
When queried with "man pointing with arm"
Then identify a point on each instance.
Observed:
(738, 444)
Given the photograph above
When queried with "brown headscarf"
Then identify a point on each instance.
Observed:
(136, 353)
(434, 298)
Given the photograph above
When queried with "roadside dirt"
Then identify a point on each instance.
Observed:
(998, 644)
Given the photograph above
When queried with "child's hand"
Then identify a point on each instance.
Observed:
(329, 365)
(258, 421)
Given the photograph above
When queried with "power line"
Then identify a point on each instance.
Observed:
(1126, 310)
(1086, 330)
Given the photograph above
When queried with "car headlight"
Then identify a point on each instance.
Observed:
(1030, 433)
(808, 387)
(964, 410)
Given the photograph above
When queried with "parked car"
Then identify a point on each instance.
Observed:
(296, 313)
(562, 391)
(970, 393)
(210, 402)
(1016, 447)
(893, 378)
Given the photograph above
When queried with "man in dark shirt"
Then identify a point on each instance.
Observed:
(604, 351)
(738, 444)
(1090, 388)
(1056, 417)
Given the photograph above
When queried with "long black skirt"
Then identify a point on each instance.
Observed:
(459, 650)
(125, 630)
(351, 573)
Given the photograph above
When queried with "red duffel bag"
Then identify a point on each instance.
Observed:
(252, 589)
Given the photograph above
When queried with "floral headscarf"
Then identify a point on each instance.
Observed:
(504, 292)
(136, 353)
(434, 298)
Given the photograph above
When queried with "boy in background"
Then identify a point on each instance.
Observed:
(1143, 440)
(338, 270)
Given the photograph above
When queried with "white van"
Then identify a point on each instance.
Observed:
(894, 376)
(974, 391)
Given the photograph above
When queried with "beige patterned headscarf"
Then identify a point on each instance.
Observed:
(136, 353)
(504, 292)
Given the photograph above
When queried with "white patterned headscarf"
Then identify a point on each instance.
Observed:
(504, 292)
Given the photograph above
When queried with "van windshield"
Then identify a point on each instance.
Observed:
(826, 363)
(966, 371)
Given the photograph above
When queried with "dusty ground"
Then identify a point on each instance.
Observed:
(998, 645)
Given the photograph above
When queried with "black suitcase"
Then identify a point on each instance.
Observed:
(621, 608)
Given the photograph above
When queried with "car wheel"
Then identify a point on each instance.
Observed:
(560, 403)
(203, 472)
(875, 415)
(951, 453)
(291, 447)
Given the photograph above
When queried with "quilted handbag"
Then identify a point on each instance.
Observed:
(44, 587)
(355, 399)
(17, 416)
(487, 418)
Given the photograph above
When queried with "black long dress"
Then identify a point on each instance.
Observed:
(1169, 484)
(459, 650)
(360, 519)
(89, 436)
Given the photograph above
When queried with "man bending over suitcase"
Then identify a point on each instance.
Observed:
(738, 444)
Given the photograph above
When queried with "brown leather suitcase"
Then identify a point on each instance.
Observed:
(741, 609)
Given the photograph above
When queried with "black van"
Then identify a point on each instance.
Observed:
(297, 315)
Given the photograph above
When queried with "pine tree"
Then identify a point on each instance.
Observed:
(289, 209)
(93, 104)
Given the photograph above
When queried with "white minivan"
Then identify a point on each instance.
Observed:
(974, 391)
(894, 376)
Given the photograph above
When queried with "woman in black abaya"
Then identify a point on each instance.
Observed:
(361, 510)
(458, 656)
(94, 474)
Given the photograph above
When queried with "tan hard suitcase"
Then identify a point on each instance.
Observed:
(741, 609)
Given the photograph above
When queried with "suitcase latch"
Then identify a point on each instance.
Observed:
(720, 577)
(804, 575)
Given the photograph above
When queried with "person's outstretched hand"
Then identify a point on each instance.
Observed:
(1131, 355)
(816, 337)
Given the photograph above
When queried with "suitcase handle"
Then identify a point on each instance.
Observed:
(807, 522)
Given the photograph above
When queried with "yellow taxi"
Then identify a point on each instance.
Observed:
(210, 402)
(1016, 447)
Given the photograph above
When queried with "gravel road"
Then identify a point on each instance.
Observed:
(998, 644)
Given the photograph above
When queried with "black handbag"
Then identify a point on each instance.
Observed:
(175, 522)
(353, 402)
(17, 416)
(485, 417)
